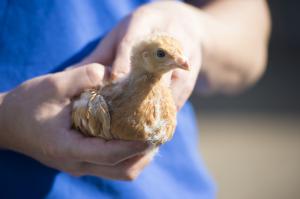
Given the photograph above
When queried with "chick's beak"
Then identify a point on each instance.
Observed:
(182, 63)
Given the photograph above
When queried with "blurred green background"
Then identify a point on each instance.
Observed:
(251, 142)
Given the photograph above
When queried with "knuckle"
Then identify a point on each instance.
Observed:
(94, 73)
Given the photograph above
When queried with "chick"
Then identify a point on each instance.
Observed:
(139, 107)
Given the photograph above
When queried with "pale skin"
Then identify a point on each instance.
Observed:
(225, 44)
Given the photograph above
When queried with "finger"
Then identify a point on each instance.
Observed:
(99, 151)
(126, 170)
(121, 64)
(181, 87)
(72, 82)
(127, 38)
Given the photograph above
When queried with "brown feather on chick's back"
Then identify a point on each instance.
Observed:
(139, 107)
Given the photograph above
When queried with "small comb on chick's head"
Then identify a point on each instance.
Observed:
(158, 53)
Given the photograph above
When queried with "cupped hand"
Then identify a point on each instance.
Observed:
(35, 119)
(179, 20)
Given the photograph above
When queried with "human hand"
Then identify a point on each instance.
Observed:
(35, 120)
(177, 19)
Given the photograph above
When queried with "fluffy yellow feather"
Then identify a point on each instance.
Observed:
(140, 106)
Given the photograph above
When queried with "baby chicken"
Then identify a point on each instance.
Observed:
(139, 107)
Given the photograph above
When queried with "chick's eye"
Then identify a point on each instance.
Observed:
(160, 53)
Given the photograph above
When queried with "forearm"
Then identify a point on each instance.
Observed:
(234, 44)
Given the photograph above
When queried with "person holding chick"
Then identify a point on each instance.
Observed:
(225, 42)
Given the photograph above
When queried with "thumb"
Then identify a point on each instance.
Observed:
(73, 82)
(121, 65)
(126, 38)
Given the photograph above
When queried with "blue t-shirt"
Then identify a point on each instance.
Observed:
(39, 37)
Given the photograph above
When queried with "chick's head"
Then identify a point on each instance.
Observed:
(159, 54)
